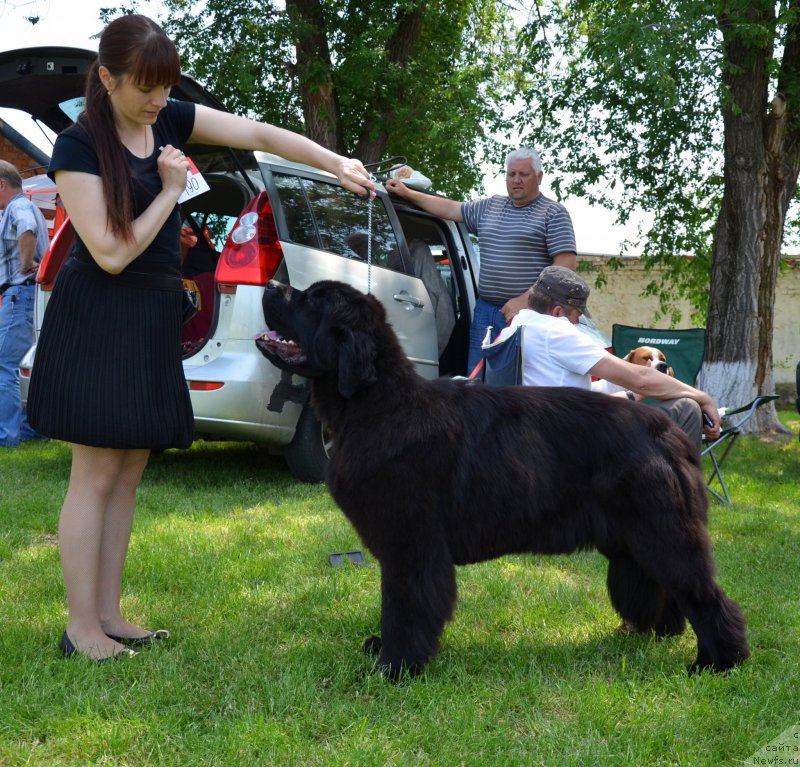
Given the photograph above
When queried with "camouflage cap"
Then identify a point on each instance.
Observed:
(564, 286)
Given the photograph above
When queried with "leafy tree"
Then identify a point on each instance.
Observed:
(369, 78)
(689, 109)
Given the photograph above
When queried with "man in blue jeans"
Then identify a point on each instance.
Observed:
(23, 240)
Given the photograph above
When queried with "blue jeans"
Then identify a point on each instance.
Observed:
(485, 314)
(16, 337)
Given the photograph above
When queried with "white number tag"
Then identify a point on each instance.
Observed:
(195, 183)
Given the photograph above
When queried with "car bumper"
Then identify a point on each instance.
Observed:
(240, 395)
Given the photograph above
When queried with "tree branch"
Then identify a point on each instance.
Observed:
(374, 134)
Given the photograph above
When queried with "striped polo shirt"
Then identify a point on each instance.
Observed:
(516, 243)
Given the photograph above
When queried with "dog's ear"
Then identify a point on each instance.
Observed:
(356, 362)
(629, 355)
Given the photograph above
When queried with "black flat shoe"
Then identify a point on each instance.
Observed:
(148, 639)
(69, 650)
(66, 646)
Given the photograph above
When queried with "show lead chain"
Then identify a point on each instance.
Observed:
(369, 238)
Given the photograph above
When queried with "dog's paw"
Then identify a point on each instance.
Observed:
(672, 628)
(399, 672)
(395, 669)
(720, 666)
(705, 667)
(373, 645)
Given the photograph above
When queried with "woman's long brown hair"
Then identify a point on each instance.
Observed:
(134, 47)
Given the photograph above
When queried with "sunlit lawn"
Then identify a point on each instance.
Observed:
(265, 668)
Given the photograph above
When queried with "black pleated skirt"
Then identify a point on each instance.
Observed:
(107, 371)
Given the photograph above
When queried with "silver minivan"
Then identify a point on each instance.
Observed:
(266, 218)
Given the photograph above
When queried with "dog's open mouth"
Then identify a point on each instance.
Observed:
(287, 350)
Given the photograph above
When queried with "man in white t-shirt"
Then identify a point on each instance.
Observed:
(557, 353)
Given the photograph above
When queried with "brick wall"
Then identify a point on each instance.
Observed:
(25, 164)
(13, 154)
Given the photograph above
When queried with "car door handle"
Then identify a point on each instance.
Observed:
(406, 298)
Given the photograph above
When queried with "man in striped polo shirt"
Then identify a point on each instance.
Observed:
(518, 235)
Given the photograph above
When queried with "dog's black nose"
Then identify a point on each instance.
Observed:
(275, 288)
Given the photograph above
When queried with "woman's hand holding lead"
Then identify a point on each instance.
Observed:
(354, 176)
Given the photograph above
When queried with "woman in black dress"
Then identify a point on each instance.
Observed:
(108, 375)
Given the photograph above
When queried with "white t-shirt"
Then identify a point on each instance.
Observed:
(556, 352)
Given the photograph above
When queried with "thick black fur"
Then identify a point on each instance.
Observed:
(434, 474)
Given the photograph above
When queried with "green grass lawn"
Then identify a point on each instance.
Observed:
(265, 668)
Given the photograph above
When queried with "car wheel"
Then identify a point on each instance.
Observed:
(307, 454)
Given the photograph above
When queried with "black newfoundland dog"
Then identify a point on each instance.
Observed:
(434, 474)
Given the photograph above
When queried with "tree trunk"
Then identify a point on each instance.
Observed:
(321, 114)
(789, 89)
(749, 230)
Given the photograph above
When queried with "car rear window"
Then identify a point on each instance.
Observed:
(325, 216)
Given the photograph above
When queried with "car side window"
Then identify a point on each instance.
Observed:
(325, 216)
(296, 212)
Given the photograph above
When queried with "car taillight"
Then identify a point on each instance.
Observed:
(205, 385)
(55, 255)
(252, 254)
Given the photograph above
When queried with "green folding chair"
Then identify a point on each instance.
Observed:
(684, 350)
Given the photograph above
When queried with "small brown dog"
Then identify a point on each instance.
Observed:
(647, 356)
(650, 357)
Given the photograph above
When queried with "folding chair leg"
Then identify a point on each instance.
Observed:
(716, 473)
(717, 464)
(730, 434)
